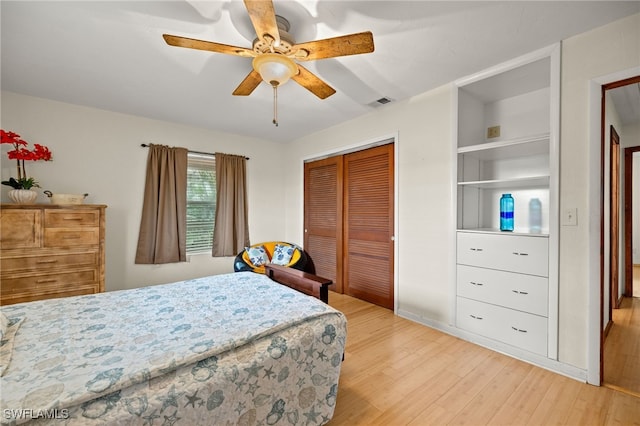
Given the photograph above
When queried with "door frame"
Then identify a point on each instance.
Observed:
(384, 139)
(595, 214)
(628, 219)
(614, 221)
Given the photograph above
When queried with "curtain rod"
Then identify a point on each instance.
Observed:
(144, 145)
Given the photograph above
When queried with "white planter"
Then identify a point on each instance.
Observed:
(23, 196)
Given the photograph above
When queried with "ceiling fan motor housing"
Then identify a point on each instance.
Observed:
(286, 40)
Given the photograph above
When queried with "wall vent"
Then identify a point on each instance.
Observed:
(381, 101)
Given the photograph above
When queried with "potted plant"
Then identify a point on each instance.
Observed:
(22, 185)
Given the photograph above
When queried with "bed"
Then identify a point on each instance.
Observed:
(236, 348)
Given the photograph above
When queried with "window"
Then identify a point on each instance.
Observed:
(201, 202)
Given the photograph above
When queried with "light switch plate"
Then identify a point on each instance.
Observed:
(570, 216)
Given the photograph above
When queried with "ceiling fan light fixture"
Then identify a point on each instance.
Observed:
(274, 50)
(275, 68)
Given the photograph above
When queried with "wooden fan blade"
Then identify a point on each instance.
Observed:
(352, 44)
(248, 85)
(312, 83)
(263, 18)
(209, 46)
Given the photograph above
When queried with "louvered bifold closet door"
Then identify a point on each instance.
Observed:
(323, 218)
(368, 218)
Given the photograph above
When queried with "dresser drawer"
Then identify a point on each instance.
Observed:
(20, 228)
(47, 262)
(526, 331)
(71, 237)
(528, 293)
(61, 218)
(63, 281)
(514, 253)
(76, 290)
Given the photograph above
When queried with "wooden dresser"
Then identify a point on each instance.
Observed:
(49, 251)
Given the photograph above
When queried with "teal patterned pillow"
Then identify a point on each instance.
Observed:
(282, 254)
(257, 255)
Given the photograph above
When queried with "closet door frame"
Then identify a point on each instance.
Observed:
(371, 143)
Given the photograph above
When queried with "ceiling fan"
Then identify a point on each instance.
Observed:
(276, 54)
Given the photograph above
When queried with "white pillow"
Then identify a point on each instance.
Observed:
(257, 255)
(282, 254)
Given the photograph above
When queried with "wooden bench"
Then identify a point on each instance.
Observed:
(304, 282)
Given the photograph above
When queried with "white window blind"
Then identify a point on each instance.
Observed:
(201, 202)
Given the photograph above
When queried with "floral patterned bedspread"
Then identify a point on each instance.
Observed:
(227, 349)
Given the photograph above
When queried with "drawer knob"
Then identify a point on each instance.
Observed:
(519, 292)
(475, 317)
(519, 330)
(474, 283)
(520, 254)
(476, 249)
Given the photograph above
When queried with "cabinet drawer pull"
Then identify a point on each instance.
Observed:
(520, 254)
(40, 262)
(46, 281)
(474, 283)
(519, 330)
(70, 237)
(476, 249)
(71, 218)
(519, 292)
(475, 317)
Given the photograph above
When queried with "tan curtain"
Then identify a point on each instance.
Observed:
(231, 232)
(163, 227)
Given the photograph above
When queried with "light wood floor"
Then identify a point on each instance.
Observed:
(397, 372)
(622, 345)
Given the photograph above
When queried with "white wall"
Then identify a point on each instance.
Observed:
(99, 152)
(602, 51)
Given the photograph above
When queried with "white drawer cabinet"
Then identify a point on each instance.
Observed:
(527, 293)
(526, 331)
(514, 253)
(502, 288)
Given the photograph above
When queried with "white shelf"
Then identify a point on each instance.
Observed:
(516, 183)
(498, 231)
(500, 150)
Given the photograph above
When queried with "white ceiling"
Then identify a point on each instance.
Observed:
(111, 55)
(626, 100)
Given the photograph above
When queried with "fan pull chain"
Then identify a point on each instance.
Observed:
(275, 104)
